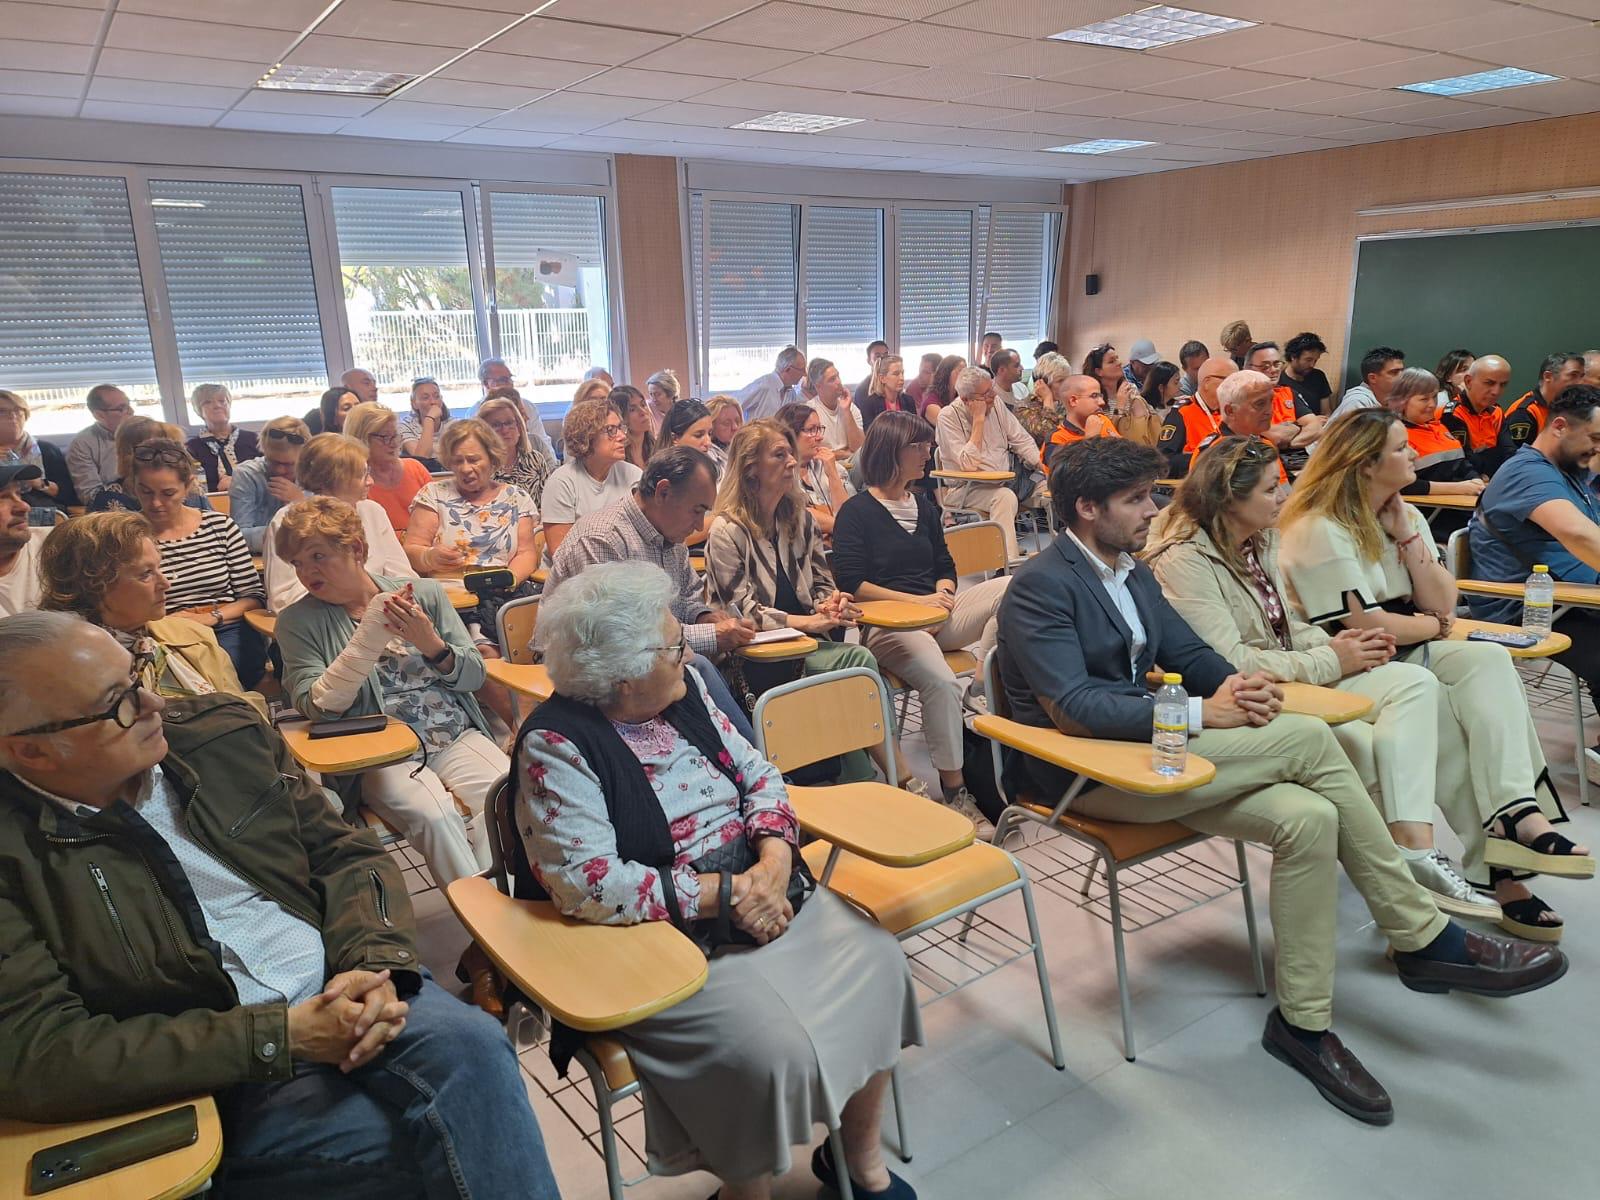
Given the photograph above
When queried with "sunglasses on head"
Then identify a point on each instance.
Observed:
(165, 455)
(284, 435)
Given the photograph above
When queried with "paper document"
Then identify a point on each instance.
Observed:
(775, 635)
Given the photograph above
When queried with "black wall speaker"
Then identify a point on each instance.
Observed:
(1091, 285)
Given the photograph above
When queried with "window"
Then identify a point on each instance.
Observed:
(844, 285)
(750, 255)
(551, 314)
(933, 261)
(237, 262)
(1020, 276)
(408, 291)
(72, 308)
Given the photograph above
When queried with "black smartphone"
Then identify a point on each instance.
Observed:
(1516, 640)
(491, 579)
(346, 725)
(84, 1158)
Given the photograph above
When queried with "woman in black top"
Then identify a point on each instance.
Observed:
(886, 390)
(888, 545)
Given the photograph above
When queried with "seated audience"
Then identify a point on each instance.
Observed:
(106, 568)
(603, 375)
(875, 351)
(420, 428)
(1104, 364)
(976, 432)
(19, 541)
(1236, 339)
(203, 555)
(888, 544)
(1441, 466)
(525, 467)
(1006, 367)
(987, 345)
(51, 491)
(673, 502)
(1591, 367)
(820, 482)
(118, 495)
(335, 403)
(266, 483)
(1355, 553)
(942, 390)
(495, 376)
(1540, 509)
(1039, 412)
(917, 387)
(357, 644)
(1190, 423)
(1190, 356)
(1081, 400)
(841, 428)
(766, 560)
(688, 424)
(638, 421)
(1295, 425)
(222, 446)
(1300, 373)
(1380, 367)
(1245, 402)
(593, 389)
(1142, 355)
(274, 949)
(763, 397)
(594, 474)
(1475, 419)
(662, 389)
(1215, 553)
(92, 455)
(637, 801)
(1452, 376)
(726, 417)
(395, 480)
(1147, 412)
(1528, 412)
(886, 391)
(1082, 624)
(334, 464)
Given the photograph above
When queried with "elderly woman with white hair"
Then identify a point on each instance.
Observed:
(663, 391)
(222, 445)
(637, 801)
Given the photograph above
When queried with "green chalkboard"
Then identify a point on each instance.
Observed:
(1519, 293)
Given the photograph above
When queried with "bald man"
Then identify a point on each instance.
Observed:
(1190, 423)
(360, 381)
(1475, 420)
(1083, 415)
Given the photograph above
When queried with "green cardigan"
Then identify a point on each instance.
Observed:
(312, 633)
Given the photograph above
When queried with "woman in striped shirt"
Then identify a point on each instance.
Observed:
(203, 555)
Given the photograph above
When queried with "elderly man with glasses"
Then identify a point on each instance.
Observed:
(263, 485)
(182, 913)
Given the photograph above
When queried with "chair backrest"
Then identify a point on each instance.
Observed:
(978, 548)
(513, 627)
(989, 672)
(501, 826)
(817, 717)
(221, 501)
(1458, 555)
(538, 544)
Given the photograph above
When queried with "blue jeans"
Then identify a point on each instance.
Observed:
(441, 1114)
(722, 696)
(246, 648)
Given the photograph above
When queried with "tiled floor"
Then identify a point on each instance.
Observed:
(1489, 1096)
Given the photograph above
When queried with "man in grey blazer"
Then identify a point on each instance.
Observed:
(1081, 624)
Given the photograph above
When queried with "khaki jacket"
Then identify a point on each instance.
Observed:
(197, 646)
(1226, 610)
(112, 994)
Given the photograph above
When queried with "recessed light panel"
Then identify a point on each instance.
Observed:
(1480, 81)
(788, 122)
(1097, 146)
(1160, 25)
(341, 80)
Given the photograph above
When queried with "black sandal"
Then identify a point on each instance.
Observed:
(1532, 918)
(1548, 854)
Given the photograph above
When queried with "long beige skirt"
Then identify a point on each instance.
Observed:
(777, 1041)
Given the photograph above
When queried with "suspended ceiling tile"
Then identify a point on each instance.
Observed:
(1298, 93)
(291, 16)
(418, 24)
(906, 10)
(1575, 53)
(783, 26)
(504, 137)
(960, 116)
(281, 122)
(1206, 112)
(1356, 18)
(307, 104)
(1348, 56)
(935, 46)
(143, 64)
(200, 39)
(1101, 66)
(495, 95)
(1055, 124)
(422, 113)
(514, 8)
(1216, 85)
(1553, 99)
(565, 112)
(143, 91)
(1038, 19)
(829, 71)
(321, 51)
(1409, 106)
(49, 23)
(679, 16)
(574, 41)
(646, 85)
(27, 56)
(1482, 119)
(1486, 29)
(377, 127)
(932, 83)
(696, 56)
(1244, 47)
(1284, 121)
(150, 114)
(1362, 100)
(1406, 70)
(1034, 94)
(41, 83)
(544, 74)
(37, 106)
(1116, 104)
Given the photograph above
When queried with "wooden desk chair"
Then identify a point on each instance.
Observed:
(1118, 846)
(541, 572)
(595, 979)
(170, 1176)
(513, 628)
(862, 854)
(1458, 557)
(222, 502)
(978, 549)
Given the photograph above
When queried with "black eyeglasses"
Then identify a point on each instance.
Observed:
(165, 455)
(677, 651)
(284, 435)
(124, 710)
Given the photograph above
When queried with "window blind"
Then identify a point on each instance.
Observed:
(400, 227)
(844, 278)
(237, 262)
(71, 303)
(1019, 276)
(525, 223)
(750, 268)
(934, 262)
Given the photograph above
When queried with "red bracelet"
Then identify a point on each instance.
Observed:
(1402, 545)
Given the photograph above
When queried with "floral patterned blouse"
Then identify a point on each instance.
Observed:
(413, 694)
(1039, 421)
(484, 531)
(572, 846)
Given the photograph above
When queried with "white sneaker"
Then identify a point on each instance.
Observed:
(917, 787)
(1591, 760)
(963, 803)
(1452, 893)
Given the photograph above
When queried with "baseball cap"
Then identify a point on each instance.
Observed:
(12, 472)
(1144, 350)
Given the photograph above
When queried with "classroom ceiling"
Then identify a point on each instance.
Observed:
(975, 87)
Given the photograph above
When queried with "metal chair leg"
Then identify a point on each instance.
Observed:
(608, 1137)
(1088, 879)
(841, 1168)
(1043, 970)
(1250, 919)
(1577, 722)
(899, 1113)
(1122, 962)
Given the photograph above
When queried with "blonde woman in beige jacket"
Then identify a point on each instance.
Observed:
(1215, 551)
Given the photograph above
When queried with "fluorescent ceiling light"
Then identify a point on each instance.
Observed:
(1481, 81)
(342, 80)
(1097, 146)
(788, 122)
(1160, 25)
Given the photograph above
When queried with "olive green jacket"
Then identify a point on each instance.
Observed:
(112, 995)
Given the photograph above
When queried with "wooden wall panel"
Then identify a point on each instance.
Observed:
(656, 322)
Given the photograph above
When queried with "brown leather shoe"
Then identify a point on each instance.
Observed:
(1332, 1070)
(1500, 967)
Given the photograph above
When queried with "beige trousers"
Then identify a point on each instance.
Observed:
(1289, 787)
(999, 504)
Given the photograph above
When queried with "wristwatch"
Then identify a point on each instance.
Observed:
(216, 613)
(433, 660)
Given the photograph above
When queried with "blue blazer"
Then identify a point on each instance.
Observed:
(1064, 658)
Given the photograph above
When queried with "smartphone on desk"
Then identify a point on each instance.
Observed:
(1515, 640)
(347, 725)
(111, 1149)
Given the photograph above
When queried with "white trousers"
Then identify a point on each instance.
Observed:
(423, 808)
(917, 657)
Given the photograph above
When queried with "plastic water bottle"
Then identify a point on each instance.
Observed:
(1169, 745)
(1538, 602)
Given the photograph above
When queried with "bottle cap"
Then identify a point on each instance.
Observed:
(1541, 569)
(1172, 677)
